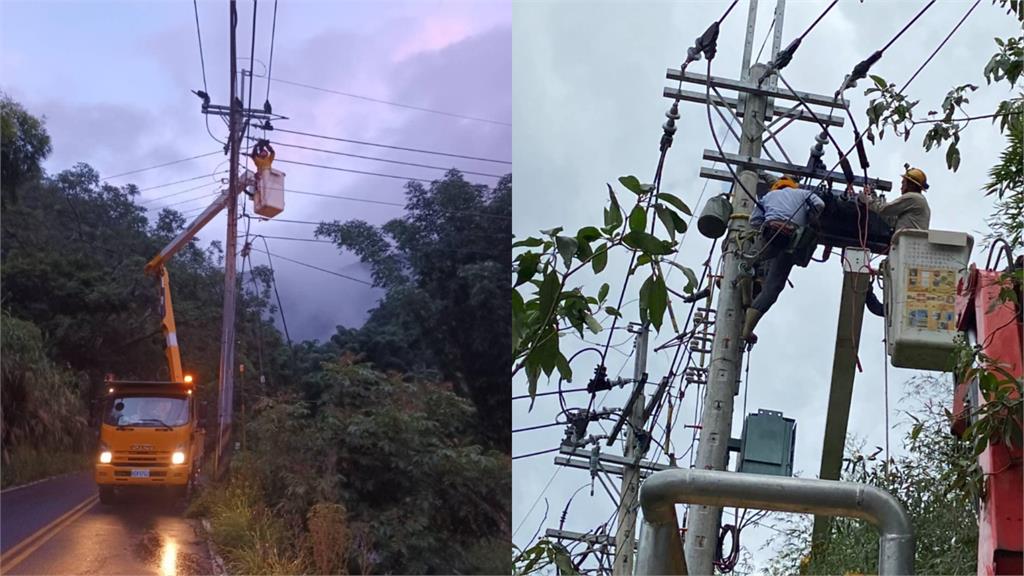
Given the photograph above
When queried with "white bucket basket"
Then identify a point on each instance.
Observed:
(269, 198)
(921, 276)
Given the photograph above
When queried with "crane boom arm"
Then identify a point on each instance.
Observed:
(156, 267)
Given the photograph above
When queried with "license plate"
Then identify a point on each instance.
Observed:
(140, 473)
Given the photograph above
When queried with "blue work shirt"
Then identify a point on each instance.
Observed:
(786, 205)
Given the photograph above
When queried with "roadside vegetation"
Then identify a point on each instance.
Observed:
(385, 448)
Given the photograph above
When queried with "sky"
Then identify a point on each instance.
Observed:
(114, 82)
(588, 108)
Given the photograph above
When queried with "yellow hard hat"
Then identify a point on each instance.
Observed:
(916, 175)
(785, 182)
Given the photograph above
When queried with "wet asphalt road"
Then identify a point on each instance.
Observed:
(58, 527)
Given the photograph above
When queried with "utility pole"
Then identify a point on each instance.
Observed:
(856, 282)
(629, 495)
(727, 349)
(227, 341)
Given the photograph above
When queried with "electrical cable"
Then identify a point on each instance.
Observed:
(387, 160)
(392, 147)
(277, 295)
(185, 191)
(267, 252)
(718, 143)
(382, 202)
(179, 181)
(391, 103)
(538, 453)
(351, 171)
(199, 35)
(273, 35)
(171, 163)
(180, 202)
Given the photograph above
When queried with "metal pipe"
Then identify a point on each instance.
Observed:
(659, 537)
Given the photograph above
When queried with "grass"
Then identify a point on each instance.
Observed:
(26, 465)
(247, 534)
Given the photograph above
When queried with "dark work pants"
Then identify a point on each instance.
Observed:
(775, 281)
(873, 304)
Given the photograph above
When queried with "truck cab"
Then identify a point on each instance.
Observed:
(151, 437)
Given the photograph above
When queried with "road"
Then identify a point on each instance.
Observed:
(58, 527)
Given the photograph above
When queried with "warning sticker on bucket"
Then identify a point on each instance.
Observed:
(931, 294)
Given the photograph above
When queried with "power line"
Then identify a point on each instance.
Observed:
(941, 44)
(187, 190)
(171, 163)
(392, 147)
(184, 201)
(273, 35)
(295, 239)
(392, 103)
(332, 272)
(386, 203)
(180, 181)
(252, 59)
(277, 295)
(363, 172)
(389, 161)
(965, 118)
(199, 35)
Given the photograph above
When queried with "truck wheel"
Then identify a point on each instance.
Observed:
(107, 495)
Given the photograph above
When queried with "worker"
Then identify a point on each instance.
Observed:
(262, 155)
(908, 212)
(783, 216)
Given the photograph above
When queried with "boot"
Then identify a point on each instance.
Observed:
(749, 323)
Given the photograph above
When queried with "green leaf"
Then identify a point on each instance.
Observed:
(528, 263)
(567, 248)
(552, 231)
(530, 242)
(645, 293)
(680, 224)
(691, 279)
(612, 214)
(657, 301)
(953, 157)
(546, 351)
(632, 184)
(588, 234)
(548, 295)
(675, 202)
(600, 259)
(564, 370)
(603, 292)
(592, 323)
(646, 243)
(518, 318)
(879, 81)
(638, 219)
(612, 311)
(665, 215)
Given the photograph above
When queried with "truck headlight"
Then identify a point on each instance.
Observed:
(105, 457)
(178, 457)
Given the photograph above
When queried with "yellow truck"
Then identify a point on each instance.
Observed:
(152, 433)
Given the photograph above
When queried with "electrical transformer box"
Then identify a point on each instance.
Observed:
(269, 197)
(767, 444)
(921, 275)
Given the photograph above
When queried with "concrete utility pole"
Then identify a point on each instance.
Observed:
(629, 495)
(727, 349)
(227, 340)
(856, 281)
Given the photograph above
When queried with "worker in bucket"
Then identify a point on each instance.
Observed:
(786, 217)
(908, 212)
(262, 155)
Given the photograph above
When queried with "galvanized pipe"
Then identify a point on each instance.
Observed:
(659, 537)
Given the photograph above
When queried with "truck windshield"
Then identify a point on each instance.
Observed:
(151, 411)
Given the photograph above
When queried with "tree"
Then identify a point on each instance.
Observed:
(24, 144)
(940, 506)
(444, 265)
